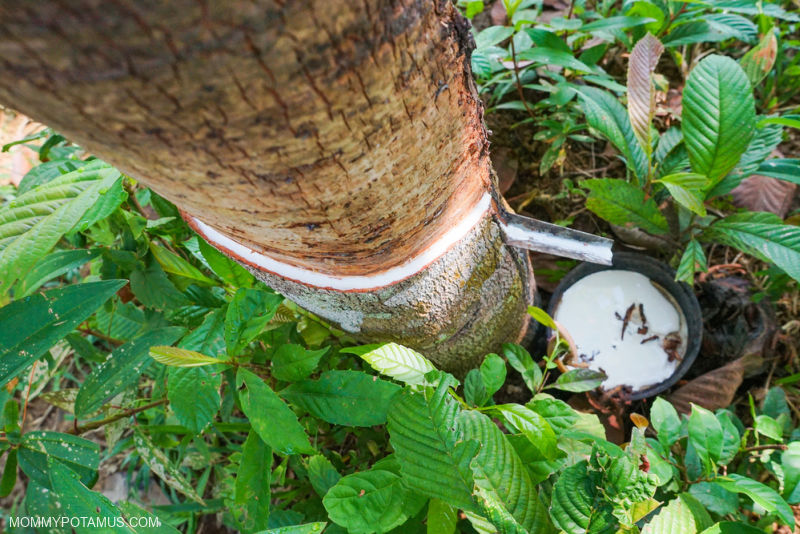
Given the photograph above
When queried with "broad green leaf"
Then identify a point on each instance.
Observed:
(396, 361)
(193, 395)
(605, 114)
(51, 266)
(520, 359)
(577, 507)
(761, 146)
(228, 270)
(616, 23)
(769, 427)
(367, 502)
(705, 434)
(322, 475)
(579, 380)
(730, 438)
(716, 499)
(558, 414)
(731, 527)
(624, 204)
(790, 462)
(474, 389)
(75, 500)
(758, 61)
(668, 141)
(349, 398)
(423, 434)
(442, 517)
(641, 91)
(718, 116)
(531, 425)
(762, 235)
(692, 260)
(248, 312)
(154, 289)
(541, 317)
(130, 510)
(271, 418)
(550, 56)
(492, 36)
(295, 362)
(762, 495)
(787, 169)
(176, 357)
(253, 478)
(174, 264)
(209, 337)
(493, 373)
(30, 326)
(499, 473)
(122, 369)
(32, 224)
(682, 515)
(791, 120)
(687, 190)
(161, 466)
(78, 454)
(121, 320)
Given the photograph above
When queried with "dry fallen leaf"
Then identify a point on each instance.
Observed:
(764, 193)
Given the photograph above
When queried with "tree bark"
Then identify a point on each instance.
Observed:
(335, 147)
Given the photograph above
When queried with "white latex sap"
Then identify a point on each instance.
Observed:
(596, 308)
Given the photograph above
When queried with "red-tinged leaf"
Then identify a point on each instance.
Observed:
(760, 59)
(763, 193)
(641, 92)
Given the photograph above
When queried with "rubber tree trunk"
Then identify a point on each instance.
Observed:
(336, 147)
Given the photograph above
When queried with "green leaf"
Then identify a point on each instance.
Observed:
(294, 362)
(531, 425)
(155, 290)
(251, 488)
(193, 395)
(78, 454)
(687, 190)
(716, 499)
(322, 475)
(605, 114)
(683, 515)
(228, 270)
(579, 380)
(161, 466)
(349, 398)
(761, 146)
(176, 357)
(493, 373)
(624, 204)
(551, 56)
(271, 418)
(30, 326)
(692, 260)
(209, 337)
(498, 472)
(732, 527)
(762, 495)
(442, 517)
(769, 427)
(558, 414)
(123, 368)
(790, 462)
(718, 116)
(641, 91)
(730, 438)
(32, 224)
(492, 36)
(520, 359)
(616, 23)
(762, 235)
(786, 169)
(577, 506)
(9, 473)
(396, 361)
(705, 435)
(75, 500)
(174, 264)
(51, 266)
(248, 312)
(758, 61)
(474, 389)
(541, 317)
(367, 502)
(423, 433)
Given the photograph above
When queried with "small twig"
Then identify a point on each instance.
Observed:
(27, 396)
(773, 446)
(80, 429)
(99, 335)
(519, 83)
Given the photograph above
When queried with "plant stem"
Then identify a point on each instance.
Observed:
(80, 429)
(773, 446)
(519, 83)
